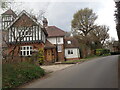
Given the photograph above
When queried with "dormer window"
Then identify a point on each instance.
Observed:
(69, 42)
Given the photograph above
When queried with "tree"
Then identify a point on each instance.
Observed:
(109, 44)
(4, 4)
(99, 36)
(83, 21)
(117, 14)
(82, 24)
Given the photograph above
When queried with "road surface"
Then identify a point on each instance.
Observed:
(98, 73)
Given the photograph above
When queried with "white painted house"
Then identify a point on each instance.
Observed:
(72, 51)
(56, 37)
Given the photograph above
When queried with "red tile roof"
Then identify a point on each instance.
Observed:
(10, 12)
(54, 31)
(24, 21)
(74, 42)
(49, 45)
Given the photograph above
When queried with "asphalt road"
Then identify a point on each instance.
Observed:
(97, 73)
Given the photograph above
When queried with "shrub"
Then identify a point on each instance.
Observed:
(100, 52)
(40, 56)
(19, 73)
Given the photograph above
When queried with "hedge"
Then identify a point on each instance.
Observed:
(102, 51)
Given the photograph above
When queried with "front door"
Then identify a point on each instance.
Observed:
(49, 55)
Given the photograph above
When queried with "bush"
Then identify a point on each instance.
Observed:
(100, 52)
(19, 73)
(41, 56)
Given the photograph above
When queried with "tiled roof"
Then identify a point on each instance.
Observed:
(10, 12)
(54, 31)
(24, 21)
(74, 42)
(49, 45)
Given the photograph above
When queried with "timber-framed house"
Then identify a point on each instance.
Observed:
(23, 31)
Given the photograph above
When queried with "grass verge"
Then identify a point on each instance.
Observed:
(19, 73)
(82, 60)
(73, 61)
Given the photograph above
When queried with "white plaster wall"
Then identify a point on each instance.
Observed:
(74, 55)
(54, 39)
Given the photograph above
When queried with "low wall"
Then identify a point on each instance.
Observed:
(15, 59)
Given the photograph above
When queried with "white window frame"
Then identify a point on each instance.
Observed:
(26, 50)
(70, 52)
(59, 48)
(69, 42)
(58, 39)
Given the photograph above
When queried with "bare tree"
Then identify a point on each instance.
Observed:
(82, 24)
(83, 21)
(100, 34)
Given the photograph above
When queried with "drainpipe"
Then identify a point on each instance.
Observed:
(56, 50)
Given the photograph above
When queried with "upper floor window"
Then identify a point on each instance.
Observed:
(26, 50)
(7, 18)
(58, 39)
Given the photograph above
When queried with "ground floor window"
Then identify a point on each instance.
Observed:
(70, 51)
(26, 50)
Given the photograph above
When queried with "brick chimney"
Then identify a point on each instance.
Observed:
(45, 22)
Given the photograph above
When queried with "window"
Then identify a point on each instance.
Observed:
(70, 51)
(68, 42)
(58, 39)
(59, 47)
(26, 50)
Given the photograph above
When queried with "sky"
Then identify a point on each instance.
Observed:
(60, 12)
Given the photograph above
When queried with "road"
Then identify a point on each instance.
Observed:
(98, 73)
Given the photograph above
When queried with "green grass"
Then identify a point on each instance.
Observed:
(81, 60)
(85, 59)
(14, 75)
(90, 57)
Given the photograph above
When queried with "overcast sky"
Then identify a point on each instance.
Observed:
(60, 12)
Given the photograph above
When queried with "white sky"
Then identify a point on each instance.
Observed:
(60, 12)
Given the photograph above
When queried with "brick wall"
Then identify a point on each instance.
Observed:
(35, 46)
(61, 55)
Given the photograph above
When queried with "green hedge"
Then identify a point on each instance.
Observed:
(100, 52)
(14, 75)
